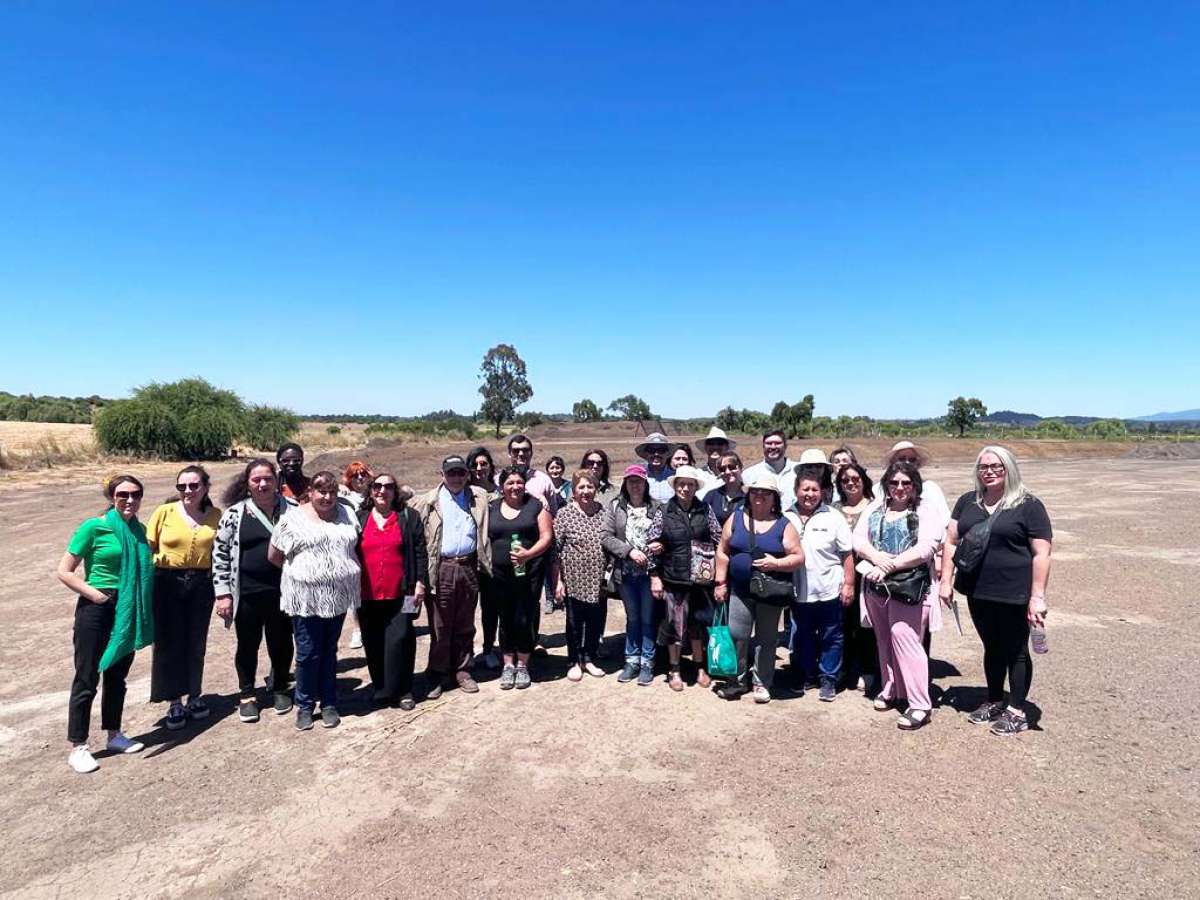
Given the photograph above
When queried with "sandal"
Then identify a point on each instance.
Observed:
(703, 679)
(912, 719)
(675, 681)
(881, 704)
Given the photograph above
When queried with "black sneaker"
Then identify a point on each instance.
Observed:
(645, 675)
(248, 710)
(828, 691)
(176, 717)
(283, 704)
(1010, 722)
(407, 703)
(630, 672)
(304, 719)
(988, 712)
(330, 717)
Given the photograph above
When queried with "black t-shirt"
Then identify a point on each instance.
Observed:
(255, 572)
(1006, 574)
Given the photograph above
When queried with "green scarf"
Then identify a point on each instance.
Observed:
(133, 627)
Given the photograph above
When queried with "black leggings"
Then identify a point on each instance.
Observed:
(1004, 631)
(489, 612)
(390, 644)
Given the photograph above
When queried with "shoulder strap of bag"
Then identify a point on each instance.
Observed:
(258, 514)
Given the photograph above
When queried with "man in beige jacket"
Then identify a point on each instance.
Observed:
(455, 516)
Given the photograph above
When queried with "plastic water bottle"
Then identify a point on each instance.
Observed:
(515, 544)
(1037, 636)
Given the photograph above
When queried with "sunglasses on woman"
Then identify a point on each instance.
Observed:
(128, 495)
(383, 486)
(186, 488)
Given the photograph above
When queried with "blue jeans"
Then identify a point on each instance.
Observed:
(816, 640)
(316, 659)
(639, 619)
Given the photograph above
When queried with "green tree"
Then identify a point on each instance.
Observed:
(1107, 429)
(266, 427)
(505, 386)
(632, 407)
(585, 411)
(962, 413)
(795, 419)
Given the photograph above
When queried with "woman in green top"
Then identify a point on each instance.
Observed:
(113, 616)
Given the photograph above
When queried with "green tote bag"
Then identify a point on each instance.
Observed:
(722, 654)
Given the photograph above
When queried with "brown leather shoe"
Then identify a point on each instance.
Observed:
(467, 684)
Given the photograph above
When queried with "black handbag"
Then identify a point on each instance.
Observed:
(772, 588)
(908, 586)
(973, 546)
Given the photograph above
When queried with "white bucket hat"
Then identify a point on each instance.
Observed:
(715, 434)
(764, 483)
(813, 456)
(686, 473)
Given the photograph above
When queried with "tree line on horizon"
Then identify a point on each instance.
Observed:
(192, 419)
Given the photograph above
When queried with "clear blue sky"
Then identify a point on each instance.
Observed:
(340, 207)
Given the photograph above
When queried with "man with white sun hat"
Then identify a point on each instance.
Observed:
(715, 444)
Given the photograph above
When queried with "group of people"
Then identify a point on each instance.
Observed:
(857, 580)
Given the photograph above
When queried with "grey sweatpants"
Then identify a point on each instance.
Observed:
(745, 616)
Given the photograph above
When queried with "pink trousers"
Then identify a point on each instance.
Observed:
(899, 630)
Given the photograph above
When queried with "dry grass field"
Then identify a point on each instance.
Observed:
(602, 789)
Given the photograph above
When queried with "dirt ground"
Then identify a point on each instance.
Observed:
(602, 789)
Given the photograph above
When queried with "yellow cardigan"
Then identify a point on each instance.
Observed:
(175, 543)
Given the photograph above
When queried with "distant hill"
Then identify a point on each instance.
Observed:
(1184, 415)
(1008, 417)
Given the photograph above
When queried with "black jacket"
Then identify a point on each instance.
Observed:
(681, 527)
(412, 534)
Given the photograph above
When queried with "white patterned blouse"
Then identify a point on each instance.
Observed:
(321, 573)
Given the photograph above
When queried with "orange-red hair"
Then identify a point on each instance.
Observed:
(357, 467)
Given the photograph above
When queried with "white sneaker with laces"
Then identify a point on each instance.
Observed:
(82, 761)
(118, 743)
(356, 640)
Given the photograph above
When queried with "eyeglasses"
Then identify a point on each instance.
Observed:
(896, 482)
(383, 486)
(990, 467)
(186, 488)
(850, 479)
(521, 451)
(595, 463)
(128, 495)
(729, 468)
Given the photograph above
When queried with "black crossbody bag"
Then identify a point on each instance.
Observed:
(774, 589)
(909, 586)
(973, 546)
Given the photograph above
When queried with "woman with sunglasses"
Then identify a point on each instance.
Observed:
(723, 500)
(896, 534)
(181, 534)
(395, 568)
(247, 584)
(860, 666)
(118, 578)
(1006, 591)
(596, 461)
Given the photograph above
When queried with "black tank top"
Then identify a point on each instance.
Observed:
(501, 530)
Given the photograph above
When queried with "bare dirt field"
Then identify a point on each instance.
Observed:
(602, 789)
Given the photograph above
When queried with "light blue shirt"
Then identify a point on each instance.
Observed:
(459, 532)
(660, 490)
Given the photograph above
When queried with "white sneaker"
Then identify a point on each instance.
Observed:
(82, 761)
(761, 694)
(118, 743)
(356, 640)
(575, 673)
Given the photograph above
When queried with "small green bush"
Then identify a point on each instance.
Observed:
(189, 419)
(333, 429)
